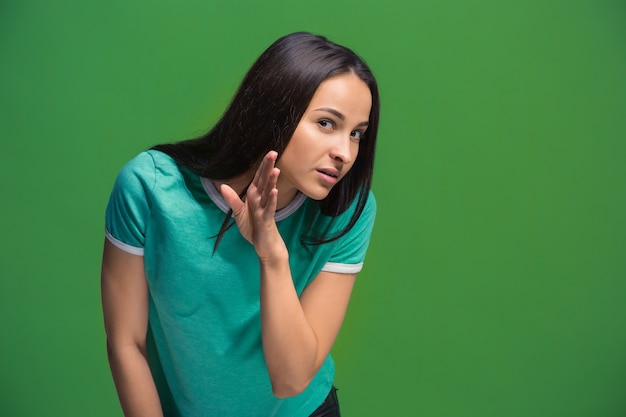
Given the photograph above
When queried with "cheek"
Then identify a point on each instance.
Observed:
(289, 160)
(302, 143)
(355, 150)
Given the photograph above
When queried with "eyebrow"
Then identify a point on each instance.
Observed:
(339, 115)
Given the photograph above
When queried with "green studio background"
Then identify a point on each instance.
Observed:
(495, 281)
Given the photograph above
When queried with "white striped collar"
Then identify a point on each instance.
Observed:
(219, 201)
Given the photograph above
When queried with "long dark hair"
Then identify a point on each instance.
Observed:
(265, 111)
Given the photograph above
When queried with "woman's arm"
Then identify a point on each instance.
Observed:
(125, 308)
(297, 332)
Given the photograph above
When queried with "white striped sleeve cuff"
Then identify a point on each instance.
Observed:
(133, 250)
(342, 268)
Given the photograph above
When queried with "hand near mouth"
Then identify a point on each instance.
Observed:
(254, 214)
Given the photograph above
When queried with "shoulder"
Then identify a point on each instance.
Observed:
(368, 209)
(142, 177)
(145, 182)
(367, 215)
(370, 204)
(145, 168)
(149, 161)
(357, 221)
(348, 251)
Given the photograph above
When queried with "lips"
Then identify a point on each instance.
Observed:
(328, 176)
(331, 172)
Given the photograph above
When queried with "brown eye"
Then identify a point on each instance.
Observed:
(325, 123)
(357, 134)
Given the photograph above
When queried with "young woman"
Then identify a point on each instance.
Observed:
(206, 319)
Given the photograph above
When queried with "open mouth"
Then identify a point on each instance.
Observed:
(329, 173)
(328, 176)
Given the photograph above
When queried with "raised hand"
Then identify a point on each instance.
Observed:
(255, 213)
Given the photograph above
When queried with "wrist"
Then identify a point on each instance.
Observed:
(276, 258)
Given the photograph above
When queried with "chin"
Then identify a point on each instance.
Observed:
(318, 194)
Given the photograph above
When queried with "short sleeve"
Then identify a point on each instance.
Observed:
(128, 210)
(349, 253)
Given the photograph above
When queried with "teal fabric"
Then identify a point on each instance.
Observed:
(204, 314)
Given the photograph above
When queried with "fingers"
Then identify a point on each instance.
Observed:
(232, 199)
(271, 203)
(265, 179)
(270, 187)
(261, 192)
(264, 170)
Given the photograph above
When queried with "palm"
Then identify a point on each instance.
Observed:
(254, 215)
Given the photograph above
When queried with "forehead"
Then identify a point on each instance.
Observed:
(346, 93)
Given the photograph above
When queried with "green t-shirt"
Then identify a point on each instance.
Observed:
(204, 336)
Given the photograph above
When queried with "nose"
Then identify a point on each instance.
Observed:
(343, 149)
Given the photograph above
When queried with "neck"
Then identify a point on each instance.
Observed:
(240, 183)
(285, 198)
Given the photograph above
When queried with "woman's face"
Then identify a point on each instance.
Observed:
(325, 143)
